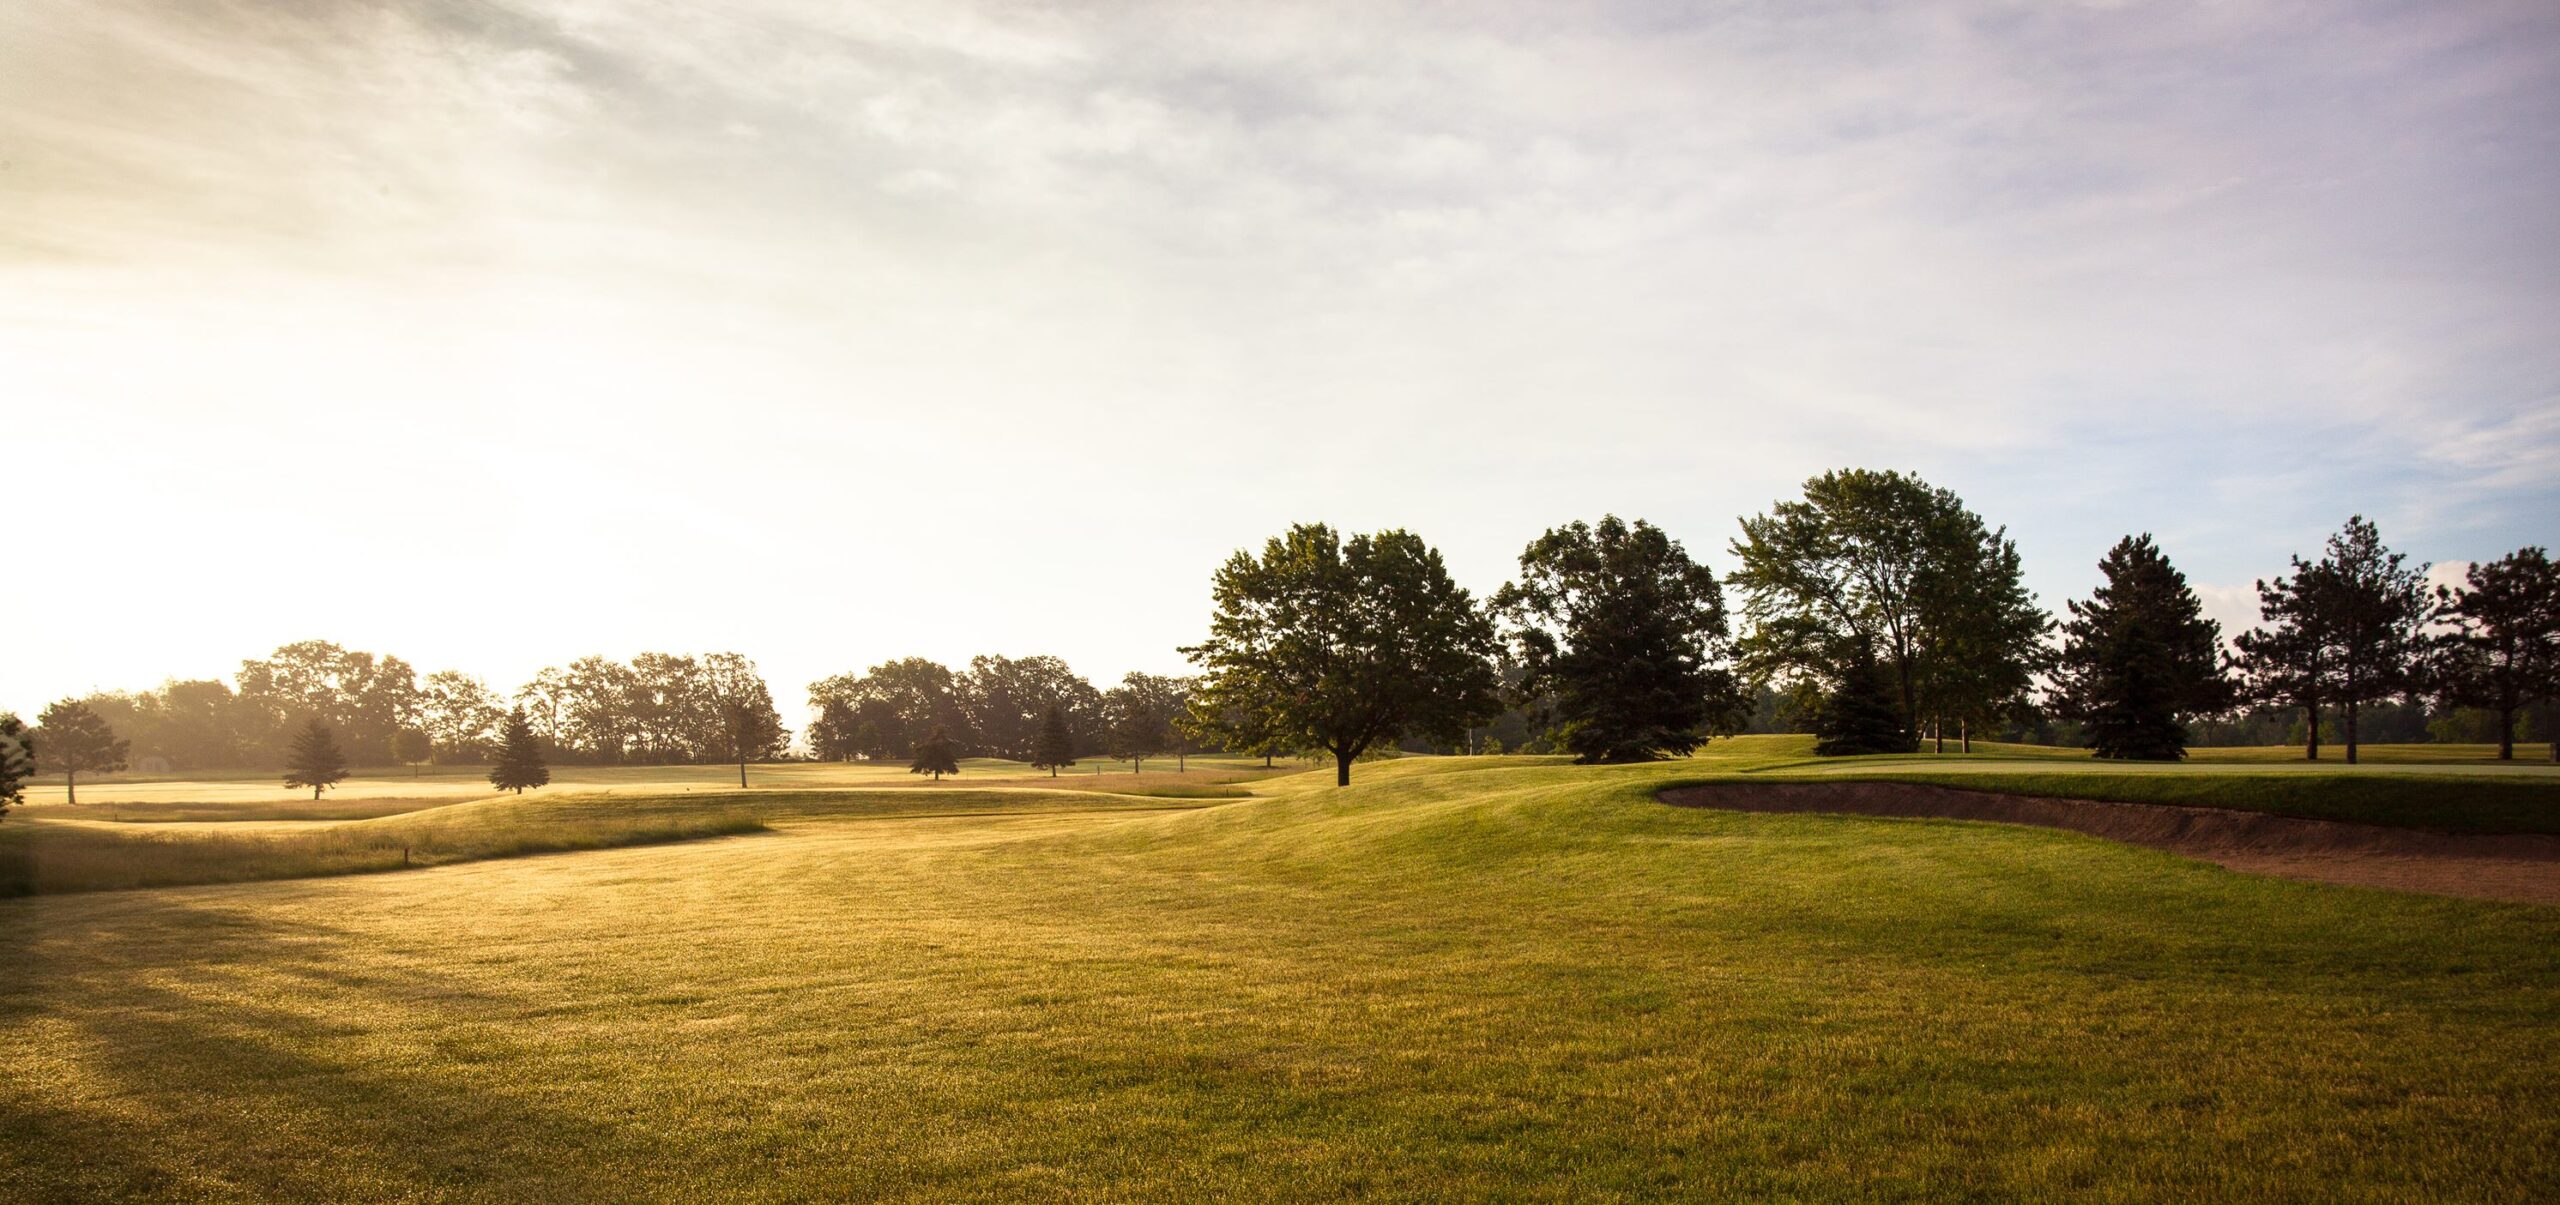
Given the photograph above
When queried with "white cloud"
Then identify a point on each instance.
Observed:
(905, 306)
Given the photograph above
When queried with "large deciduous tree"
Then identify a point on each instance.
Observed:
(460, 715)
(1885, 565)
(899, 701)
(519, 759)
(2139, 658)
(77, 740)
(739, 703)
(314, 760)
(837, 732)
(1141, 713)
(2503, 653)
(1622, 637)
(1345, 644)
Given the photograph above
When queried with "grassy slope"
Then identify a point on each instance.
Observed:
(1458, 979)
(2460, 797)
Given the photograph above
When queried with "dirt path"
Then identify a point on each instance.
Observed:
(2499, 867)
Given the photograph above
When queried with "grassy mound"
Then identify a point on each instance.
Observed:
(1460, 979)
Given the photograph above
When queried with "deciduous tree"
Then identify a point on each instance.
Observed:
(836, 735)
(77, 740)
(1622, 636)
(1885, 565)
(314, 760)
(1345, 644)
(2139, 658)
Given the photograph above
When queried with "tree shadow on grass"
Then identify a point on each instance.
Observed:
(173, 1048)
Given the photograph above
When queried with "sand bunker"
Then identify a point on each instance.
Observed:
(2497, 867)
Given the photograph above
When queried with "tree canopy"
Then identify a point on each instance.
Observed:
(2139, 658)
(1885, 565)
(1622, 636)
(1055, 748)
(78, 741)
(17, 760)
(1346, 644)
(519, 762)
(2346, 631)
(315, 761)
(2503, 652)
(937, 754)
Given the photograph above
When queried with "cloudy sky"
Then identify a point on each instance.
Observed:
(492, 333)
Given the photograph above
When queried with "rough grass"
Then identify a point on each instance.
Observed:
(1461, 979)
(43, 857)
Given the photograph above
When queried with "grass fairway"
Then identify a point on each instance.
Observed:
(1469, 978)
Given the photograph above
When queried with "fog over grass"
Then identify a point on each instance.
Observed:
(492, 334)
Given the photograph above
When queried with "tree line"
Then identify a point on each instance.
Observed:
(1876, 610)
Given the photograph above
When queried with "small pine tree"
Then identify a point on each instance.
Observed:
(519, 756)
(77, 739)
(1861, 713)
(936, 755)
(17, 760)
(1056, 747)
(315, 760)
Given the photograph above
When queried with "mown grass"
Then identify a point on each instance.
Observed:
(1460, 979)
(40, 857)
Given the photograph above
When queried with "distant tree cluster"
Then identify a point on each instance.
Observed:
(1876, 611)
(1002, 707)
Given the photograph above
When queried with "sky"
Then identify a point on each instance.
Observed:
(492, 333)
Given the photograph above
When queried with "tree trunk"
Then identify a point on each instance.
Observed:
(1964, 732)
(2506, 734)
(1938, 732)
(2351, 732)
(71, 787)
(742, 774)
(2311, 747)
(315, 794)
(1341, 768)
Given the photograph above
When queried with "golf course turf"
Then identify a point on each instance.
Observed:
(1460, 978)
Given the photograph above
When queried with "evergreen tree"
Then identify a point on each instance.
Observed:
(1861, 712)
(2375, 610)
(77, 738)
(1622, 634)
(1055, 747)
(17, 761)
(936, 754)
(519, 763)
(314, 761)
(2504, 652)
(2285, 661)
(2139, 657)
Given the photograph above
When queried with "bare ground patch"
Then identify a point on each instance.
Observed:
(2520, 867)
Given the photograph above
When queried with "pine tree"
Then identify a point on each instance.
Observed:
(1862, 712)
(77, 739)
(315, 761)
(519, 756)
(2139, 657)
(17, 760)
(2504, 651)
(1055, 746)
(936, 754)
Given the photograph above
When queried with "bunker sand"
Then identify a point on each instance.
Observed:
(2515, 867)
